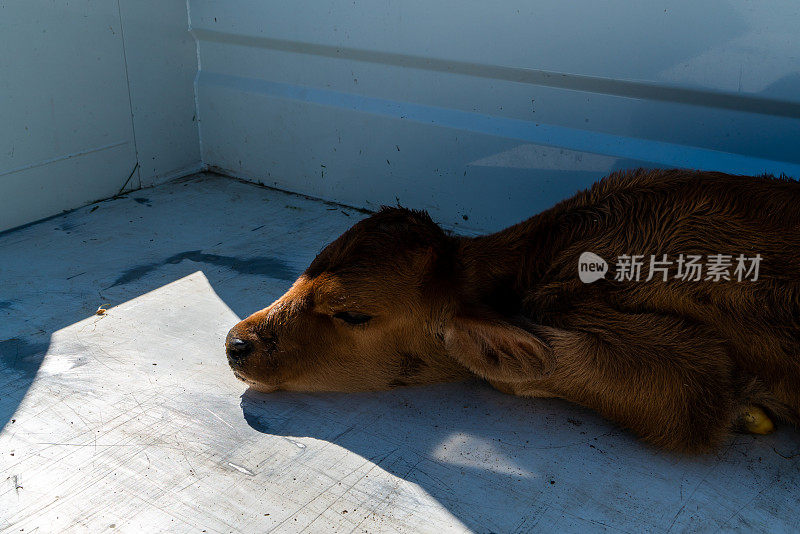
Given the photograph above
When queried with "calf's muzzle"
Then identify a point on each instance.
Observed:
(245, 340)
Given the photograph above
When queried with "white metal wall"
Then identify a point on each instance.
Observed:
(490, 111)
(481, 112)
(87, 89)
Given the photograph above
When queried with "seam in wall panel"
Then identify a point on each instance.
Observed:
(196, 83)
(130, 99)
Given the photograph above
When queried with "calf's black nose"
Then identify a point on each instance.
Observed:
(237, 348)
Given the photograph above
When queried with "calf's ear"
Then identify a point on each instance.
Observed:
(496, 349)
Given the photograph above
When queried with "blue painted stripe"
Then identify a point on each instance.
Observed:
(656, 152)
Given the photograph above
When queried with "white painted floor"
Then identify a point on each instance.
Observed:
(132, 421)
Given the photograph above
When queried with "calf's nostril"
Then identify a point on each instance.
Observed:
(238, 348)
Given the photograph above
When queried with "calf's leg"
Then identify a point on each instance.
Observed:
(667, 379)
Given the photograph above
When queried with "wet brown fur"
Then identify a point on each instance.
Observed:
(675, 361)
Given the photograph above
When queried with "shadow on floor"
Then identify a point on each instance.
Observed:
(505, 464)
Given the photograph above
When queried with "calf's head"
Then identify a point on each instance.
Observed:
(363, 316)
(378, 308)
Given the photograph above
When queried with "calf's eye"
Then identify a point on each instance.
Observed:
(353, 317)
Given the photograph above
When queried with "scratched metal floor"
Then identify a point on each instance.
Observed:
(132, 421)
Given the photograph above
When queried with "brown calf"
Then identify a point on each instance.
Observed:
(396, 301)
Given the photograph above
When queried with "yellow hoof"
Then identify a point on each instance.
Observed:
(756, 421)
